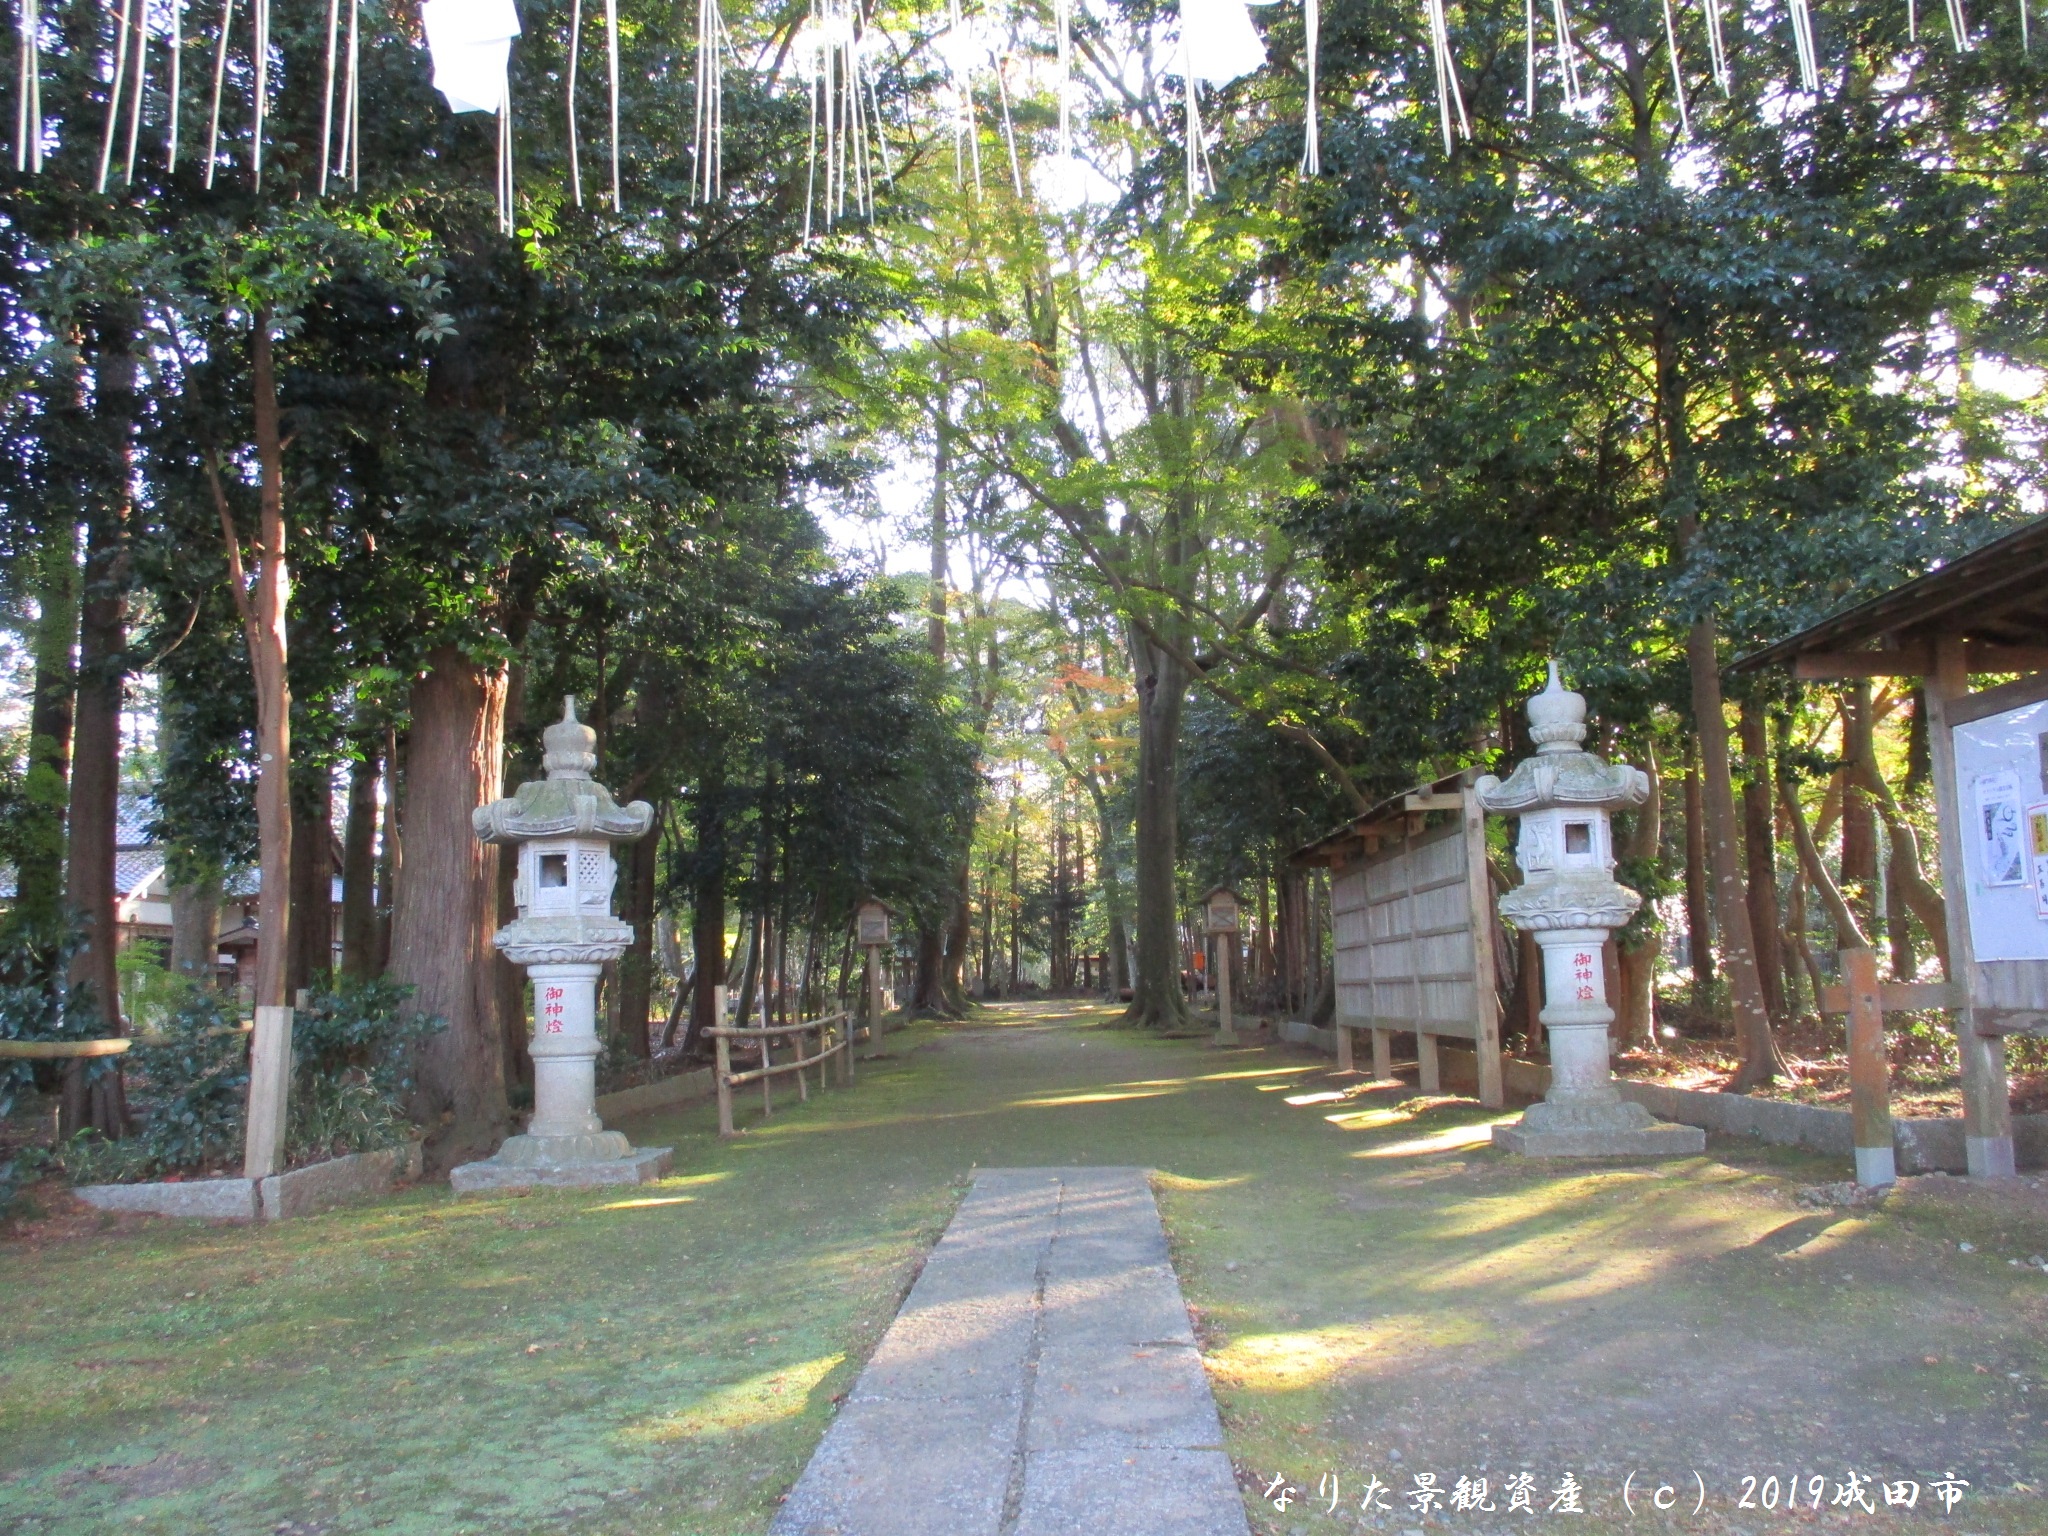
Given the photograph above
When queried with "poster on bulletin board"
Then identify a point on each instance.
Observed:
(2001, 766)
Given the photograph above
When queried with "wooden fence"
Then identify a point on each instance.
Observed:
(833, 1035)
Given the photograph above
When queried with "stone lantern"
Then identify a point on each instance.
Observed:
(1570, 901)
(563, 828)
(1219, 921)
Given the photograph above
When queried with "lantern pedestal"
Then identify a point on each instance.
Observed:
(1584, 1115)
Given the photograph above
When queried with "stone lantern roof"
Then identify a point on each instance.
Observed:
(1562, 773)
(568, 802)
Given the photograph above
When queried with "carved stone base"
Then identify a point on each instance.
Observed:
(563, 1151)
(1596, 1128)
(640, 1165)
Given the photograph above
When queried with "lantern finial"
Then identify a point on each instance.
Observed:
(571, 745)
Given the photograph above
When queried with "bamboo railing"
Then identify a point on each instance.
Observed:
(834, 1038)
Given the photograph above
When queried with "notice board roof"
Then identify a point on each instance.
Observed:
(1995, 597)
(1447, 791)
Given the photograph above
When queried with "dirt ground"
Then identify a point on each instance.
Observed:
(1382, 1298)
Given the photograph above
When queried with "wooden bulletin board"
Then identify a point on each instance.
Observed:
(1412, 928)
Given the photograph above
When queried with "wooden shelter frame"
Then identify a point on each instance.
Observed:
(1984, 612)
(1395, 836)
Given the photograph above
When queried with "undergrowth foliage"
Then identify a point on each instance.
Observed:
(352, 1050)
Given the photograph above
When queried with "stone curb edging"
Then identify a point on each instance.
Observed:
(298, 1192)
(683, 1088)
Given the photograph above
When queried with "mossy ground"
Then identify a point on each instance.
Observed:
(1371, 1279)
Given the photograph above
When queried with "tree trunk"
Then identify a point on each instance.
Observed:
(959, 935)
(46, 787)
(1760, 1061)
(267, 660)
(359, 871)
(195, 930)
(391, 855)
(312, 915)
(1699, 921)
(707, 915)
(1760, 855)
(636, 966)
(1157, 998)
(441, 928)
(1636, 959)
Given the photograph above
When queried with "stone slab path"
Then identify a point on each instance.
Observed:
(1041, 1379)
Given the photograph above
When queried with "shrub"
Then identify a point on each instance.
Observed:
(352, 1051)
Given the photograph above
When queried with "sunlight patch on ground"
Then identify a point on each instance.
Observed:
(1452, 1138)
(1288, 1362)
(749, 1404)
(1060, 1101)
(637, 1205)
(1182, 1184)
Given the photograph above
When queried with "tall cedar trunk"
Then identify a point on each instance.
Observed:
(96, 722)
(509, 987)
(359, 870)
(391, 852)
(441, 927)
(1699, 918)
(1636, 959)
(959, 935)
(267, 661)
(1760, 1061)
(1859, 818)
(1156, 997)
(636, 966)
(312, 917)
(707, 915)
(1760, 855)
(926, 994)
(46, 788)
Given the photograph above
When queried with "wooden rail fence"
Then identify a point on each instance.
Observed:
(834, 1037)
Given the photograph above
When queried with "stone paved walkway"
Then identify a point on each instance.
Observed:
(1041, 1379)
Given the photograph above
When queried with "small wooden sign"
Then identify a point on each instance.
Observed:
(872, 923)
(1222, 910)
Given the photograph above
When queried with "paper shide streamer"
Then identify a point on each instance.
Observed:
(707, 160)
(845, 140)
(471, 44)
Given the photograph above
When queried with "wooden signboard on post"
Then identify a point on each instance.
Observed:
(1413, 922)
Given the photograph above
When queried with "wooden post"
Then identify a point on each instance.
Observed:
(767, 1095)
(1870, 1098)
(803, 1087)
(1382, 1055)
(1344, 1063)
(1226, 1033)
(1987, 1106)
(722, 1075)
(270, 1081)
(1428, 1078)
(874, 998)
(1485, 994)
(849, 1024)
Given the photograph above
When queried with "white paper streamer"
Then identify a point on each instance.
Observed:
(569, 91)
(1529, 57)
(1717, 51)
(1802, 44)
(28, 93)
(471, 43)
(1311, 138)
(114, 84)
(177, 85)
(1959, 27)
(327, 98)
(220, 72)
(1567, 53)
(707, 159)
(1677, 75)
(611, 53)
